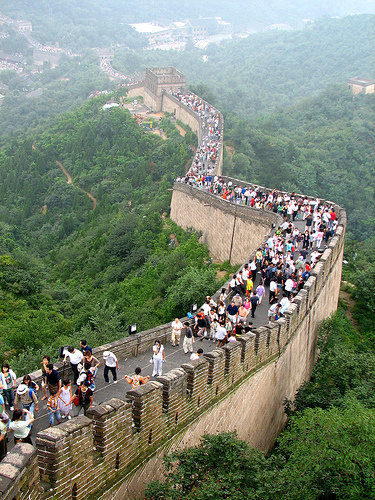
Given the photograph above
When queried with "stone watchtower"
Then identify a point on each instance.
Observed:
(158, 80)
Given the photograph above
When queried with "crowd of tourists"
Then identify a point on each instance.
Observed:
(63, 401)
(206, 155)
(283, 264)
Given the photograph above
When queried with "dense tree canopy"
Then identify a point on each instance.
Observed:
(65, 268)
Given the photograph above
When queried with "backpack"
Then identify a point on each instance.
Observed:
(89, 378)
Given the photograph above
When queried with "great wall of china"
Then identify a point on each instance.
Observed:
(118, 447)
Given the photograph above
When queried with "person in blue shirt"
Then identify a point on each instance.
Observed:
(84, 347)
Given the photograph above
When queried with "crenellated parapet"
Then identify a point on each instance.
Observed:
(118, 447)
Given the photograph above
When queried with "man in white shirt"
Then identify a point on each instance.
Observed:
(284, 303)
(288, 287)
(206, 307)
(221, 335)
(273, 290)
(75, 357)
(177, 327)
(110, 364)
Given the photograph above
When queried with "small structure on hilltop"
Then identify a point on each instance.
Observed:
(159, 80)
(24, 26)
(361, 85)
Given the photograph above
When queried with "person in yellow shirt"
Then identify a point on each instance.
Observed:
(249, 286)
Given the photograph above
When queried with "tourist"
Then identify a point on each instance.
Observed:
(158, 358)
(93, 362)
(288, 287)
(8, 381)
(284, 304)
(27, 397)
(232, 311)
(206, 308)
(196, 355)
(177, 327)
(273, 291)
(45, 361)
(53, 408)
(4, 421)
(84, 347)
(254, 300)
(274, 312)
(136, 380)
(65, 397)
(82, 399)
(221, 312)
(260, 291)
(253, 269)
(52, 379)
(75, 357)
(188, 339)
(249, 286)
(242, 313)
(2, 403)
(110, 365)
(212, 322)
(20, 427)
(30, 383)
(86, 374)
(221, 335)
(200, 325)
(232, 336)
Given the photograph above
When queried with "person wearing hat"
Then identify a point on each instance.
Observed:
(27, 397)
(110, 364)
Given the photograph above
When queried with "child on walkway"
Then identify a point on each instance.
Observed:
(53, 408)
(65, 395)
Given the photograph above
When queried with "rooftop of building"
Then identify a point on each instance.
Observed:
(169, 70)
(361, 81)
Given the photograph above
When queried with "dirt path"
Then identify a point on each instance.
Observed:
(230, 150)
(157, 132)
(350, 303)
(180, 129)
(69, 181)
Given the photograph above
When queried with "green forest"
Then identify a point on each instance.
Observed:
(68, 271)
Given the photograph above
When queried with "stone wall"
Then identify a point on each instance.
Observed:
(231, 232)
(119, 446)
(181, 112)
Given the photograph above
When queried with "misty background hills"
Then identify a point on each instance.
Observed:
(57, 16)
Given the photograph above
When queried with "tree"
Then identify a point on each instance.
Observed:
(221, 466)
(329, 454)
